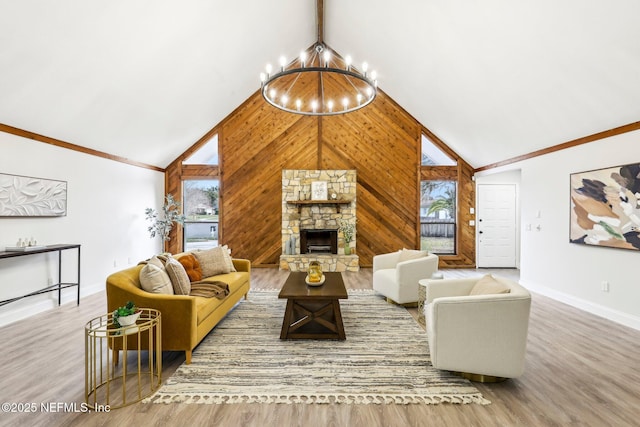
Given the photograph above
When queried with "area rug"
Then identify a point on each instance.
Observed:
(384, 360)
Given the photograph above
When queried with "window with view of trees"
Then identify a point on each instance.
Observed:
(200, 207)
(438, 200)
(200, 194)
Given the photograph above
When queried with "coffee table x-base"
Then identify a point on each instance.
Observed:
(313, 312)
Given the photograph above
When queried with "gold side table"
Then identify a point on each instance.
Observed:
(422, 296)
(108, 384)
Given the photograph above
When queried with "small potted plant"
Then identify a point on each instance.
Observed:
(348, 229)
(126, 315)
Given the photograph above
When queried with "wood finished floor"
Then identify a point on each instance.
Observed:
(581, 370)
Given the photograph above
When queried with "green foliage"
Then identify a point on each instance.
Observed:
(212, 193)
(348, 230)
(126, 310)
(447, 203)
(162, 224)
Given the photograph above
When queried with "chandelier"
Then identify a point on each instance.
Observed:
(319, 82)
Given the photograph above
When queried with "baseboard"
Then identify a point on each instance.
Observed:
(13, 314)
(588, 306)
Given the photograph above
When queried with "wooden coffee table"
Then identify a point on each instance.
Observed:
(313, 312)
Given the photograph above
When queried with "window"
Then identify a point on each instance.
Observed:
(200, 196)
(206, 155)
(438, 213)
(200, 206)
(432, 155)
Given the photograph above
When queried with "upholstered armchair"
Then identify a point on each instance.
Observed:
(478, 326)
(396, 275)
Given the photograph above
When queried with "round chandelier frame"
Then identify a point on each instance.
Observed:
(319, 82)
(326, 70)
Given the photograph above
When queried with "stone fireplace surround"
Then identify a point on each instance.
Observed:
(296, 186)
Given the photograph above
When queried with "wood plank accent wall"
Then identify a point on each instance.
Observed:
(381, 142)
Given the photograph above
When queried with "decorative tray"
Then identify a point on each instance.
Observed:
(23, 248)
(321, 282)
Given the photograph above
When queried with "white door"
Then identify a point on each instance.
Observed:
(496, 225)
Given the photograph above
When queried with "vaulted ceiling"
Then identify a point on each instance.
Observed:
(145, 79)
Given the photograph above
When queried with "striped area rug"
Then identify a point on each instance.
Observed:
(385, 359)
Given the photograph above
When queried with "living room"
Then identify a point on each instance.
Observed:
(123, 156)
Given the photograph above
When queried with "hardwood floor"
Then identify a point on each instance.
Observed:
(581, 370)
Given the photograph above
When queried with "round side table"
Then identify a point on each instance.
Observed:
(108, 385)
(422, 296)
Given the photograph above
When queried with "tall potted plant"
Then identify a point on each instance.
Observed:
(162, 223)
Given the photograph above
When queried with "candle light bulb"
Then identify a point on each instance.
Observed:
(347, 61)
(303, 57)
(314, 105)
(283, 62)
(269, 69)
(330, 105)
(327, 57)
(345, 102)
(298, 104)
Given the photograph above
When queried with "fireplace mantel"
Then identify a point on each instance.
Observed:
(301, 203)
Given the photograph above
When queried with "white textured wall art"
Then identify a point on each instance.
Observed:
(28, 196)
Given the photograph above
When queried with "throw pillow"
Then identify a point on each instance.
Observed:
(227, 257)
(212, 261)
(157, 260)
(178, 275)
(155, 279)
(488, 285)
(409, 254)
(191, 266)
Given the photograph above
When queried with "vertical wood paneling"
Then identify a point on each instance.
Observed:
(381, 142)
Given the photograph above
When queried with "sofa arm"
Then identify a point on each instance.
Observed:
(409, 272)
(484, 334)
(385, 261)
(242, 264)
(179, 312)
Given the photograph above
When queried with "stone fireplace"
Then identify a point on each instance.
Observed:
(310, 220)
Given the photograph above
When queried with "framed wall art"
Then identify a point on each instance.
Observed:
(319, 190)
(24, 196)
(605, 209)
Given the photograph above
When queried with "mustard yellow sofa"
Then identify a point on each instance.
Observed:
(185, 319)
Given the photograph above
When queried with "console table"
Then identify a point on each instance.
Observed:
(51, 288)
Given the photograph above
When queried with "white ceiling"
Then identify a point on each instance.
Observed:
(145, 79)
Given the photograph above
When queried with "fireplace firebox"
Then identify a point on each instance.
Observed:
(318, 241)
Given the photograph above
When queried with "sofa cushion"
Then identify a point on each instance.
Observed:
(409, 254)
(227, 257)
(155, 279)
(212, 261)
(206, 306)
(191, 266)
(178, 275)
(488, 285)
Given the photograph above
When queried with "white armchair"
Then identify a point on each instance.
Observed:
(396, 275)
(482, 336)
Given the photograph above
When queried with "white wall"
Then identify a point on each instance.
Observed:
(105, 214)
(568, 272)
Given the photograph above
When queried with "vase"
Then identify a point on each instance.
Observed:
(347, 249)
(128, 320)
